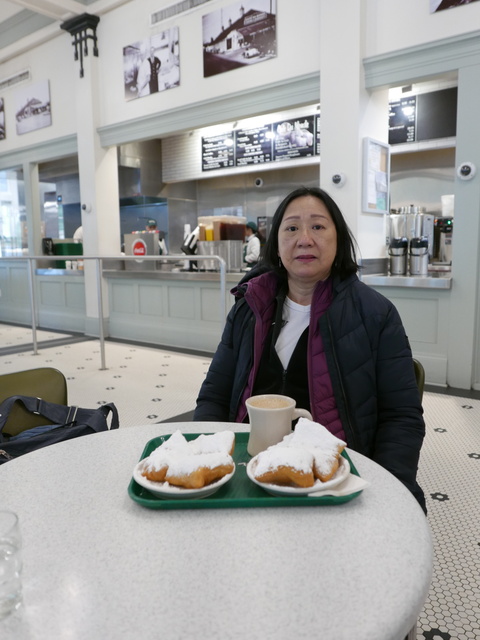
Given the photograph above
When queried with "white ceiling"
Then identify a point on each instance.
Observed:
(26, 23)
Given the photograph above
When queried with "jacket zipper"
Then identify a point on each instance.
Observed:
(344, 395)
(284, 381)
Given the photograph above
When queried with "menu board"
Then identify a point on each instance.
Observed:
(284, 140)
(294, 138)
(253, 146)
(402, 120)
(218, 152)
(317, 131)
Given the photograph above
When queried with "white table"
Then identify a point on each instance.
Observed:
(99, 566)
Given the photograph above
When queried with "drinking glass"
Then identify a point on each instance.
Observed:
(10, 563)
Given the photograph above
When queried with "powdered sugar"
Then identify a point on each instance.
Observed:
(310, 446)
(185, 465)
(214, 443)
(182, 457)
(314, 434)
(295, 457)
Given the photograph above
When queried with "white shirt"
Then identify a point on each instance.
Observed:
(253, 249)
(296, 318)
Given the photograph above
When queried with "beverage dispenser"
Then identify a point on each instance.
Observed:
(419, 256)
(398, 250)
(222, 236)
(443, 239)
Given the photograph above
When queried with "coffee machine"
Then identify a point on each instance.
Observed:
(443, 234)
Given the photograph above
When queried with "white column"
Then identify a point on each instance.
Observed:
(348, 114)
(33, 208)
(463, 341)
(99, 190)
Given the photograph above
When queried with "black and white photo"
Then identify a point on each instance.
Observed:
(2, 119)
(238, 35)
(440, 5)
(32, 107)
(152, 65)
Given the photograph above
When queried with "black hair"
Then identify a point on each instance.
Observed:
(345, 262)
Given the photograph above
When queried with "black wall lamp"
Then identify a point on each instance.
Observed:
(82, 28)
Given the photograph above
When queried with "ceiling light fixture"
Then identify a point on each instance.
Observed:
(79, 27)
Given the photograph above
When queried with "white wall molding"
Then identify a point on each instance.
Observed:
(273, 97)
(422, 61)
(42, 152)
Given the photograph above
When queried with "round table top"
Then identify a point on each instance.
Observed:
(99, 565)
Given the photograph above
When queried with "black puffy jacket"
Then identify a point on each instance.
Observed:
(371, 369)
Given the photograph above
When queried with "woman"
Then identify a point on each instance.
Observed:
(303, 325)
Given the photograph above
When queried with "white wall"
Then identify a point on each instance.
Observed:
(389, 25)
(397, 24)
(297, 55)
(51, 61)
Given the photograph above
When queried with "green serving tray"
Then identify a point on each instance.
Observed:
(238, 492)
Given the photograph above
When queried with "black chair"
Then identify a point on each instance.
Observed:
(45, 382)
(419, 375)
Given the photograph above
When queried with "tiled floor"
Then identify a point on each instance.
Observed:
(153, 385)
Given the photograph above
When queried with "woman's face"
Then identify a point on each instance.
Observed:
(307, 240)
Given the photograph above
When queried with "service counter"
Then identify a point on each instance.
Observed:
(187, 310)
(180, 309)
(424, 306)
(435, 280)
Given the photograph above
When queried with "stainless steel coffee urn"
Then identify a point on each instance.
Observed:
(397, 250)
(419, 256)
(412, 222)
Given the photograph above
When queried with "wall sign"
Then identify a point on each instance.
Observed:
(401, 120)
(426, 116)
(253, 146)
(294, 138)
(287, 139)
(376, 176)
(218, 152)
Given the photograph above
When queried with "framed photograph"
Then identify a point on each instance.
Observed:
(440, 5)
(376, 176)
(239, 35)
(151, 65)
(2, 119)
(32, 107)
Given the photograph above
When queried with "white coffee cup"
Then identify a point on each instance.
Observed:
(271, 418)
(10, 563)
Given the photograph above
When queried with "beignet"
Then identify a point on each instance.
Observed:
(310, 452)
(191, 464)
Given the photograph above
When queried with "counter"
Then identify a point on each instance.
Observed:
(435, 280)
(180, 309)
(182, 276)
(186, 310)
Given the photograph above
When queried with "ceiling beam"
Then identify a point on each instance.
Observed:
(56, 9)
(29, 42)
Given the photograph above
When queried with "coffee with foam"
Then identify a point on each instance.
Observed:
(266, 402)
(271, 417)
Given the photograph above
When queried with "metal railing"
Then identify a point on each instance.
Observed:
(98, 260)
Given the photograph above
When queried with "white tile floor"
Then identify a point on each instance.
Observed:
(153, 385)
(146, 385)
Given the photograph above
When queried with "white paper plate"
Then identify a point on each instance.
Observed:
(169, 492)
(280, 490)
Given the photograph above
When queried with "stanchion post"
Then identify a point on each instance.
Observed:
(33, 305)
